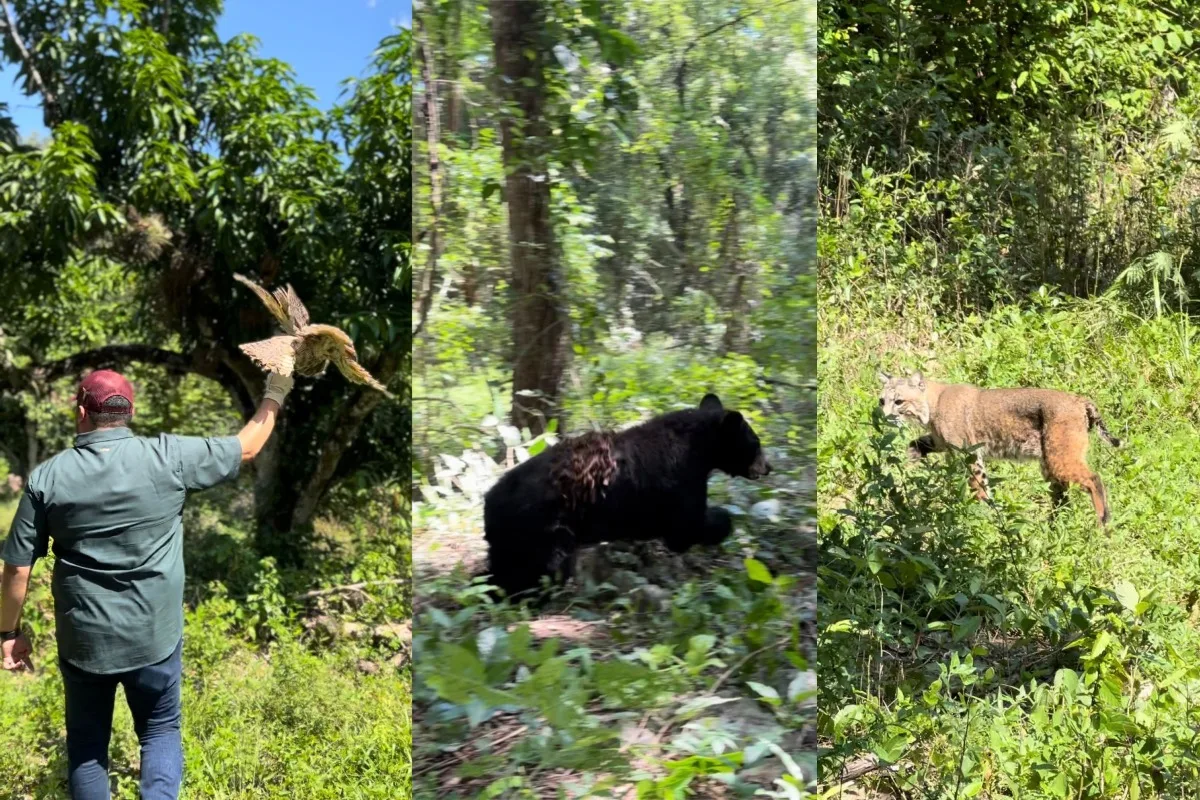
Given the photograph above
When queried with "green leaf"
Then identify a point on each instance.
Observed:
(765, 692)
(459, 676)
(757, 571)
(1127, 595)
(891, 751)
(627, 684)
(966, 627)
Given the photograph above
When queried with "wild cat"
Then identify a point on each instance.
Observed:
(1045, 424)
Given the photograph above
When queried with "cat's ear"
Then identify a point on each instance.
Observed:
(917, 380)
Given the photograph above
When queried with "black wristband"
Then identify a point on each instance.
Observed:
(8, 636)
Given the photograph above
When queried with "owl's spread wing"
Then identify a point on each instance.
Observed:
(277, 354)
(278, 310)
(357, 373)
(334, 344)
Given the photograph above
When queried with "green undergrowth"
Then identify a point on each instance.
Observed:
(285, 694)
(996, 650)
(649, 676)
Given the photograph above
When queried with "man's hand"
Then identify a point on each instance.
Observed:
(16, 653)
(256, 432)
(278, 387)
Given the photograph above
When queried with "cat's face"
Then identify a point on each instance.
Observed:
(904, 398)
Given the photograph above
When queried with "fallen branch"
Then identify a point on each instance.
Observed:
(351, 587)
(858, 768)
(729, 672)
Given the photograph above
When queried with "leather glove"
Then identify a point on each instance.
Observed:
(278, 387)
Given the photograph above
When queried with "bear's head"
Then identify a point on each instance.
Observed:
(739, 452)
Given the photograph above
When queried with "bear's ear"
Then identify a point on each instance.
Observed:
(711, 403)
(732, 421)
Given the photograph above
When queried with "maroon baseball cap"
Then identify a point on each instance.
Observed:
(98, 387)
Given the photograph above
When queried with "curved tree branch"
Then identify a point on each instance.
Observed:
(50, 107)
(681, 70)
(201, 362)
(116, 355)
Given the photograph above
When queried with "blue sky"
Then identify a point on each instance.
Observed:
(325, 41)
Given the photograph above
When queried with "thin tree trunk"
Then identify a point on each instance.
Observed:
(344, 431)
(32, 450)
(539, 323)
(737, 322)
(432, 138)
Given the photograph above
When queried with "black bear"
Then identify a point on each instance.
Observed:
(647, 482)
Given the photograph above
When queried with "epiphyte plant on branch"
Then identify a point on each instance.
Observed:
(304, 348)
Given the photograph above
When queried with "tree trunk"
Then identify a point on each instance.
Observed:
(348, 421)
(737, 321)
(538, 320)
(432, 138)
(32, 451)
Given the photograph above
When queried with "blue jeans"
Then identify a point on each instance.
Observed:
(153, 696)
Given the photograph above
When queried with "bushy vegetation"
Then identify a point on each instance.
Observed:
(1009, 198)
(175, 159)
(972, 153)
(661, 193)
(289, 690)
(652, 671)
(996, 651)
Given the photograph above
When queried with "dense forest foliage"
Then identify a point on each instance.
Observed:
(615, 215)
(175, 159)
(1010, 196)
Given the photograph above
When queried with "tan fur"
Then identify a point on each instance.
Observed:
(1042, 424)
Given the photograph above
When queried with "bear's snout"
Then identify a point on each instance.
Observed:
(760, 467)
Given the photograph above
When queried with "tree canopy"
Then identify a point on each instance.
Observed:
(176, 159)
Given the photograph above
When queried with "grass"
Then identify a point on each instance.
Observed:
(287, 723)
(996, 651)
(282, 698)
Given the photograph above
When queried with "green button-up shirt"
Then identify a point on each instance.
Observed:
(113, 507)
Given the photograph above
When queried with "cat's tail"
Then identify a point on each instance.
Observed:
(1094, 421)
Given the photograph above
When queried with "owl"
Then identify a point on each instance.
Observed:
(303, 349)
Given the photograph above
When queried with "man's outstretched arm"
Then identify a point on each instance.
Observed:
(258, 430)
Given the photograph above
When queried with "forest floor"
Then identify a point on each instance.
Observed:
(998, 650)
(649, 673)
(283, 696)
